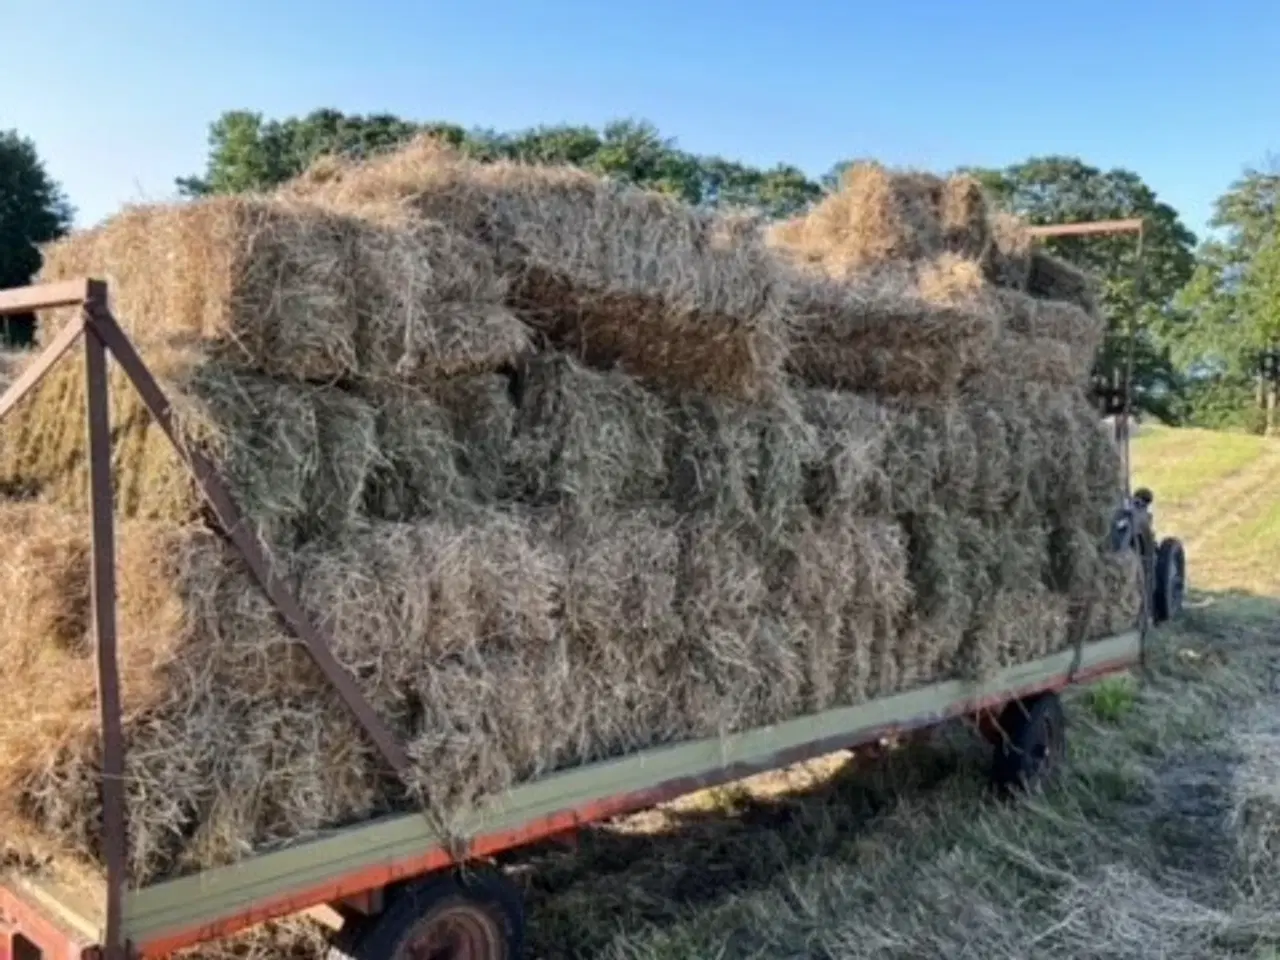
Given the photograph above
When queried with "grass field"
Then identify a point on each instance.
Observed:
(1160, 839)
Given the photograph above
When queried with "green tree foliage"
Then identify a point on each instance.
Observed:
(33, 211)
(248, 152)
(1058, 189)
(1232, 303)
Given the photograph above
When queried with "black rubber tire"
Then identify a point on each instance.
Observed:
(1032, 745)
(485, 896)
(1170, 581)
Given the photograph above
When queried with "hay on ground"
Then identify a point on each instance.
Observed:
(607, 272)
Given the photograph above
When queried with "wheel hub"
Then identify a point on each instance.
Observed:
(460, 931)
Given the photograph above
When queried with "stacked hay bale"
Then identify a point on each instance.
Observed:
(526, 444)
(906, 290)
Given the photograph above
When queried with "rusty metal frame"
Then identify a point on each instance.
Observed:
(102, 335)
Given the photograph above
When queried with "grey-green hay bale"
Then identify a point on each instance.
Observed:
(482, 413)
(1052, 278)
(880, 333)
(585, 438)
(1010, 262)
(741, 463)
(419, 474)
(851, 436)
(1013, 627)
(450, 295)
(622, 623)
(745, 668)
(848, 588)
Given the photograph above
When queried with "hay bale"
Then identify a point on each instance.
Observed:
(418, 473)
(850, 435)
(741, 464)
(878, 217)
(295, 291)
(1052, 278)
(586, 439)
(882, 335)
(1013, 627)
(297, 457)
(1009, 264)
(482, 413)
(875, 217)
(744, 668)
(623, 625)
(609, 273)
(844, 597)
(966, 226)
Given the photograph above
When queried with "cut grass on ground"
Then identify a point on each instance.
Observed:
(1220, 494)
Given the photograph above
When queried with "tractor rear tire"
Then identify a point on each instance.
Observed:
(1170, 590)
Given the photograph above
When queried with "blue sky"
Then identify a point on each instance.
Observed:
(1181, 92)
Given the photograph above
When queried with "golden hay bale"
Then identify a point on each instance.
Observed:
(875, 217)
(297, 457)
(878, 217)
(1009, 264)
(966, 228)
(46, 579)
(882, 335)
(585, 438)
(296, 291)
(608, 272)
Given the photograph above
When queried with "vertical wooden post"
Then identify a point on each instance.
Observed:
(103, 587)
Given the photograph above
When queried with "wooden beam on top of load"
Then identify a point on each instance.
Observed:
(1084, 229)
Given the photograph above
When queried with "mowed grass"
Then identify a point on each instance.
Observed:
(1220, 494)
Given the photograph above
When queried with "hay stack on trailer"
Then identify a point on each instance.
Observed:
(533, 448)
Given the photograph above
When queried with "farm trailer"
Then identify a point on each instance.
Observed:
(393, 885)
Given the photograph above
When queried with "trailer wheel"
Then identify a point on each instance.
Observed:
(1032, 743)
(477, 916)
(1170, 581)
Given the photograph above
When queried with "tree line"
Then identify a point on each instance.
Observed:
(1201, 312)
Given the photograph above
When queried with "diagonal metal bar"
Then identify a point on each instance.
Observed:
(229, 517)
(36, 371)
(103, 587)
(45, 296)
